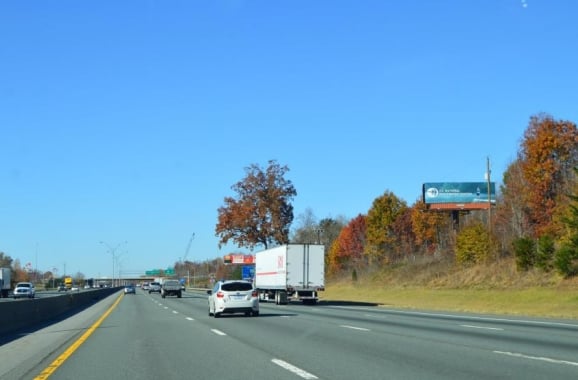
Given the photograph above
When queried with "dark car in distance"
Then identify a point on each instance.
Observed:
(129, 289)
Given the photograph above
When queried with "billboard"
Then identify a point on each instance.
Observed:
(238, 258)
(458, 195)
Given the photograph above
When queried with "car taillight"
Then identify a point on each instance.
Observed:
(254, 293)
(220, 294)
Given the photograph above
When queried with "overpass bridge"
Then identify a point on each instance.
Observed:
(190, 281)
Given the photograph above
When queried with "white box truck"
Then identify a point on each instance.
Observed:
(5, 278)
(291, 271)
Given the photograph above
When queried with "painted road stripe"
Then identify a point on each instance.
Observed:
(291, 368)
(190, 319)
(540, 358)
(175, 312)
(70, 350)
(491, 319)
(482, 327)
(354, 328)
(218, 332)
(374, 316)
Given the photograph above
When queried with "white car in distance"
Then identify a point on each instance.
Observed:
(24, 290)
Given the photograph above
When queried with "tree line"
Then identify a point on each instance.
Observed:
(535, 219)
(26, 273)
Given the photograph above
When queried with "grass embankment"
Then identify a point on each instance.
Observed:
(493, 289)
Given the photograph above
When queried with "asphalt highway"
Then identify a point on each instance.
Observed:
(143, 336)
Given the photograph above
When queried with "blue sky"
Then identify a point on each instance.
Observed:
(129, 121)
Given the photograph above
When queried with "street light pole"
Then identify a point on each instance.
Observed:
(114, 257)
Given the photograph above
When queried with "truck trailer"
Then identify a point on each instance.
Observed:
(290, 271)
(5, 282)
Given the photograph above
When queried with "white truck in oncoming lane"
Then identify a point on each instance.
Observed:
(291, 271)
(5, 282)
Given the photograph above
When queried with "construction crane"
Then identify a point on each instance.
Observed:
(188, 247)
(185, 258)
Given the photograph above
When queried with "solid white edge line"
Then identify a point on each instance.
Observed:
(476, 318)
(291, 368)
(549, 360)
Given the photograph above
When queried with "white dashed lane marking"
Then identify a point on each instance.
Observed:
(355, 328)
(482, 327)
(218, 332)
(296, 370)
(539, 358)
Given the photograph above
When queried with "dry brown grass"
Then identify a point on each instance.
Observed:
(496, 288)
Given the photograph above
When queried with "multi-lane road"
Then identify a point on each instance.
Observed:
(143, 336)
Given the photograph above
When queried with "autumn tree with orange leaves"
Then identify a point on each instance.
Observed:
(512, 213)
(405, 239)
(548, 154)
(511, 217)
(262, 212)
(427, 227)
(532, 217)
(381, 237)
(347, 250)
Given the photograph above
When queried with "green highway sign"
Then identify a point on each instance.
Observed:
(157, 272)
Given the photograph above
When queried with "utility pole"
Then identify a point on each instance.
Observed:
(488, 172)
